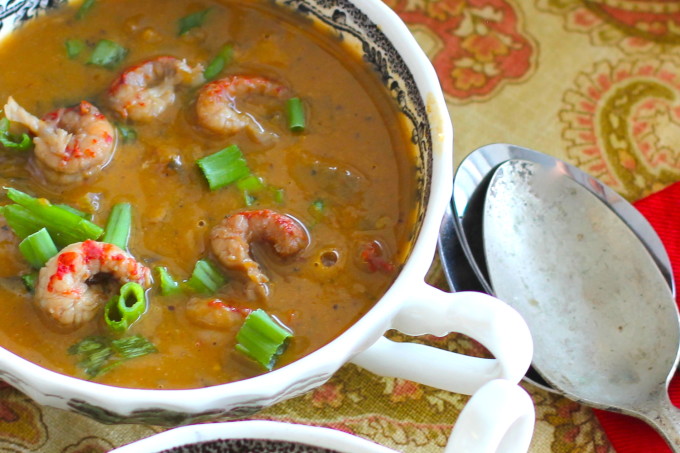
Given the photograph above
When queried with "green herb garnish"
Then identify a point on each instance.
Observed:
(85, 8)
(126, 307)
(117, 230)
(193, 20)
(107, 54)
(262, 338)
(74, 47)
(224, 167)
(217, 64)
(30, 215)
(206, 278)
(100, 354)
(18, 142)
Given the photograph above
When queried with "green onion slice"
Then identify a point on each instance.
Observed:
(123, 309)
(85, 7)
(107, 54)
(168, 284)
(74, 47)
(193, 20)
(206, 278)
(30, 280)
(296, 114)
(77, 212)
(31, 214)
(38, 248)
(12, 141)
(117, 230)
(224, 167)
(127, 133)
(217, 64)
(262, 338)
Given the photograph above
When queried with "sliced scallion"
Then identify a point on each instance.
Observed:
(127, 133)
(168, 284)
(117, 230)
(296, 114)
(77, 212)
(30, 281)
(206, 278)
(262, 338)
(74, 47)
(250, 183)
(224, 167)
(32, 214)
(192, 20)
(38, 248)
(107, 54)
(85, 8)
(19, 142)
(217, 64)
(123, 309)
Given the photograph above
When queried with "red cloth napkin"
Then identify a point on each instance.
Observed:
(628, 434)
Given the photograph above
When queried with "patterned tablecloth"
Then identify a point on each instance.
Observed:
(594, 82)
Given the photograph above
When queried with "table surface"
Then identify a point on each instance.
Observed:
(590, 81)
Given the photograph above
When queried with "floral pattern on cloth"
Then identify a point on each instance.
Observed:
(593, 82)
(477, 46)
(633, 26)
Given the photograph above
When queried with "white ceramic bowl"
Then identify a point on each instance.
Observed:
(498, 418)
(410, 305)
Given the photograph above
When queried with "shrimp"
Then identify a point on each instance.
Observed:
(231, 239)
(143, 92)
(216, 107)
(71, 144)
(67, 288)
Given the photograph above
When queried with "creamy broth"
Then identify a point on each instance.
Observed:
(354, 156)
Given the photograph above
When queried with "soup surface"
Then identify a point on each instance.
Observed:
(344, 186)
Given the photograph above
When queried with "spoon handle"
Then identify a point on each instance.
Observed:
(663, 416)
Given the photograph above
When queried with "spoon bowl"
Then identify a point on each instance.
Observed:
(587, 272)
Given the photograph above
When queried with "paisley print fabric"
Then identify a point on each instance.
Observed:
(594, 82)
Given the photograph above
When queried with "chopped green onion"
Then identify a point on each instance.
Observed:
(8, 140)
(127, 133)
(224, 167)
(296, 114)
(193, 20)
(77, 212)
(277, 194)
(38, 248)
(123, 309)
(107, 54)
(168, 284)
(317, 208)
(217, 64)
(30, 281)
(206, 278)
(84, 9)
(250, 183)
(101, 354)
(32, 214)
(95, 351)
(74, 47)
(118, 226)
(262, 338)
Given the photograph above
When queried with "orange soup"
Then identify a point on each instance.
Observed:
(185, 113)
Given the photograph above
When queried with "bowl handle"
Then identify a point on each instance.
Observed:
(499, 417)
(494, 324)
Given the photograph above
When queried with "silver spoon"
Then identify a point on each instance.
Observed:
(589, 275)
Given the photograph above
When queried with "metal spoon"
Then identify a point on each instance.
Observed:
(586, 271)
